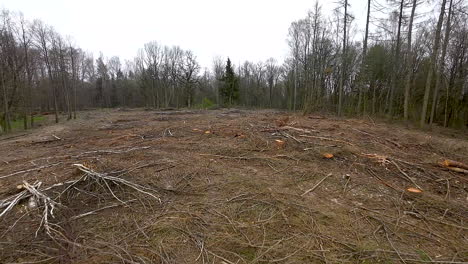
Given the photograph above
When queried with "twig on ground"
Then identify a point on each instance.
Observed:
(100, 209)
(46, 201)
(460, 170)
(406, 175)
(289, 136)
(29, 170)
(302, 130)
(316, 185)
(110, 151)
(106, 178)
(452, 163)
(10, 202)
(328, 139)
(229, 157)
(218, 256)
(391, 244)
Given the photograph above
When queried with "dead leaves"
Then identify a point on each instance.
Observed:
(327, 155)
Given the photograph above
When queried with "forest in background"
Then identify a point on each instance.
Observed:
(411, 66)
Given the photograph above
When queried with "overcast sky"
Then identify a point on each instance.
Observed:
(242, 29)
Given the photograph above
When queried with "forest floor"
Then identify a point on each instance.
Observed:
(232, 186)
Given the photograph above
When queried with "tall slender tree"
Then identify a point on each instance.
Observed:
(363, 57)
(439, 75)
(432, 64)
(409, 64)
(343, 60)
(396, 61)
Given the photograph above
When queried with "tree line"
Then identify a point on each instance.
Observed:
(409, 65)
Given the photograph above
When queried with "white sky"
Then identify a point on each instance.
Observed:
(242, 29)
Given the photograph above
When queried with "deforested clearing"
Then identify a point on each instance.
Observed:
(232, 186)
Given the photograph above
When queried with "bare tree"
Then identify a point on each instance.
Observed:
(294, 43)
(42, 36)
(432, 65)
(396, 60)
(442, 64)
(364, 53)
(409, 66)
(189, 78)
(218, 68)
(343, 59)
(272, 74)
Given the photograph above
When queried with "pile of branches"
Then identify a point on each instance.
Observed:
(41, 198)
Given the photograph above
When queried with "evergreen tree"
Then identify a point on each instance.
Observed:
(230, 89)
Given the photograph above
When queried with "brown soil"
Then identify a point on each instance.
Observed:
(230, 193)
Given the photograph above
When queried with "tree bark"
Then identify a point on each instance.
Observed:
(364, 53)
(442, 64)
(6, 115)
(343, 62)
(409, 68)
(73, 84)
(432, 65)
(395, 62)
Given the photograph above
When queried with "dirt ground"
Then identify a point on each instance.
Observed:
(233, 186)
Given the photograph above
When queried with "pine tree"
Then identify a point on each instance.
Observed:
(230, 90)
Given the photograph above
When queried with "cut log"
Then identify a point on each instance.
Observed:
(452, 163)
(458, 170)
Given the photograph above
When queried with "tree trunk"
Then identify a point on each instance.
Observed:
(6, 115)
(442, 65)
(432, 65)
(409, 68)
(395, 63)
(295, 86)
(343, 62)
(28, 75)
(73, 84)
(364, 53)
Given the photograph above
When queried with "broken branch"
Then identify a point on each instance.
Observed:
(316, 185)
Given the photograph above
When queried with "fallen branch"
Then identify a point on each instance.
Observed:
(454, 166)
(109, 151)
(307, 131)
(49, 205)
(11, 201)
(97, 210)
(229, 157)
(458, 170)
(316, 185)
(289, 136)
(328, 139)
(36, 197)
(406, 175)
(29, 170)
(316, 117)
(111, 179)
(452, 163)
(55, 138)
(302, 130)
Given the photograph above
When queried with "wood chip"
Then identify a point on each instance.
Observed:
(414, 190)
(280, 143)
